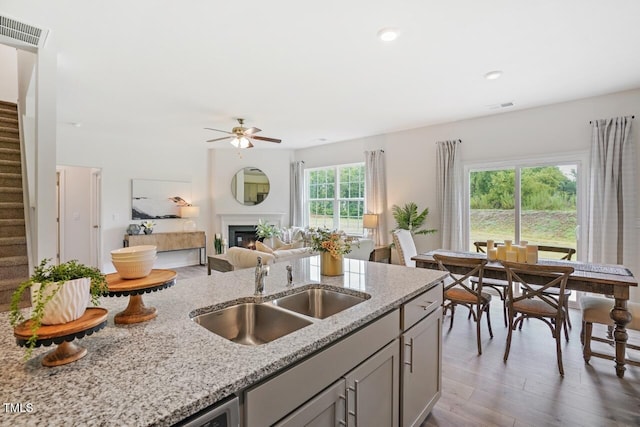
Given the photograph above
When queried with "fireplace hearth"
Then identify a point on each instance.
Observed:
(243, 236)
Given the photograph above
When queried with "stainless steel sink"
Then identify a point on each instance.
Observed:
(250, 323)
(318, 303)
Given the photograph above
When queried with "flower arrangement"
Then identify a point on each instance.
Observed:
(148, 225)
(336, 243)
(265, 230)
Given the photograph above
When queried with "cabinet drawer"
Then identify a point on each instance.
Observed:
(421, 306)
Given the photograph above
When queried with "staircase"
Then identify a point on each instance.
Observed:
(14, 266)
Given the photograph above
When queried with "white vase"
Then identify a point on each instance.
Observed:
(68, 304)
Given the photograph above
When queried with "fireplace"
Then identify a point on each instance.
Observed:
(243, 236)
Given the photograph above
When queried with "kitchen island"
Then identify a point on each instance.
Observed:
(164, 370)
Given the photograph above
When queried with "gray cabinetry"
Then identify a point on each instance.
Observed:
(372, 390)
(421, 342)
(328, 409)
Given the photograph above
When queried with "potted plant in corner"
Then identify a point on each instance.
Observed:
(408, 218)
(267, 232)
(59, 294)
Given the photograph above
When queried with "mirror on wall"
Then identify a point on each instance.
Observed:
(250, 186)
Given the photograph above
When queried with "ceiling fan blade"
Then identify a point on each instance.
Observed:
(219, 139)
(219, 130)
(264, 138)
(250, 145)
(252, 130)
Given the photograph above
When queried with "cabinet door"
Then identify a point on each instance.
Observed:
(421, 369)
(325, 410)
(373, 389)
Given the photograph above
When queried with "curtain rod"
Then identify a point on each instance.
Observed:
(633, 117)
(460, 141)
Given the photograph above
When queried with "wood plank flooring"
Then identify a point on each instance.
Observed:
(527, 390)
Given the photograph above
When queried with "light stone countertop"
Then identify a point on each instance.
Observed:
(163, 370)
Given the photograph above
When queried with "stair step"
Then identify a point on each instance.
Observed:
(7, 131)
(9, 104)
(16, 240)
(11, 194)
(13, 228)
(13, 261)
(11, 250)
(10, 139)
(8, 113)
(11, 210)
(10, 166)
(9, 153)
(9, 122)
(12, 284)
(10, 180)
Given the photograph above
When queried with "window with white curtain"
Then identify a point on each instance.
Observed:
(335, 197)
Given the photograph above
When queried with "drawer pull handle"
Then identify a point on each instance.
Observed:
(428, 306)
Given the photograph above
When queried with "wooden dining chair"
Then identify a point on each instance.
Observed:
(533, 302)
(457, 292)
(499, 285)
(596, 309)
(403, 241)
(554, 292)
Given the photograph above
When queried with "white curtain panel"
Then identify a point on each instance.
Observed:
(611, 214)
(449, 181)
(376, 192)
(296, 204)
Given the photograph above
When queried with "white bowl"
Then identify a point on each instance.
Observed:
(133, 269)
(133, 251)
(141, 257)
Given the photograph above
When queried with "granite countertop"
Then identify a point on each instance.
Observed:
(163, 370)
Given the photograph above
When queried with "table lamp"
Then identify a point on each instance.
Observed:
(189, 212)
(370, 222)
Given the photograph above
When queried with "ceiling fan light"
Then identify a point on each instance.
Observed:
(240, 142)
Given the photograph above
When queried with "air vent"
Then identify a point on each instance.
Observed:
(18, 34)
(497, 106)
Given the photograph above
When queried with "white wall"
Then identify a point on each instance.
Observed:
(8, 74)
(225, 163)
(122, 159)
(411, 155)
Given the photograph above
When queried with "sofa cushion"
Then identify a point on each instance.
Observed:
(263, 248)
(244, 258)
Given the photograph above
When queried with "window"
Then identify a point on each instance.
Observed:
(335, 197)
(537, 204)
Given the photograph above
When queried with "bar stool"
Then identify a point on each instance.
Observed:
(596, 310)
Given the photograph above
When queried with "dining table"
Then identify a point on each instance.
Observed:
(606, 279)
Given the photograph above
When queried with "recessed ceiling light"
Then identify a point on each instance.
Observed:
(492, 75)
(388, 34)
(75, 124)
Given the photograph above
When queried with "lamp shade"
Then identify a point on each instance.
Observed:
(189, 212)
(370, 221)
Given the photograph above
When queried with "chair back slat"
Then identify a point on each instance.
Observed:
(542, 277)
(472, 267)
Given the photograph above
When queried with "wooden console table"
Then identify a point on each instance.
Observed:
(174, 241)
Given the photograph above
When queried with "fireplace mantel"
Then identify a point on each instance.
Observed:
(275, 218)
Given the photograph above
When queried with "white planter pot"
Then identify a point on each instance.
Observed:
(69, 303)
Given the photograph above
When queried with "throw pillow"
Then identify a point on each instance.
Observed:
(263, 248)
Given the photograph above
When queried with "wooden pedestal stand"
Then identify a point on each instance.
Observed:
(94, 319)
(136, 311)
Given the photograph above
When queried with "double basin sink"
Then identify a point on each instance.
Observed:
(255, 323)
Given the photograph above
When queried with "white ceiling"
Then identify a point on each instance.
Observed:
(314, 72)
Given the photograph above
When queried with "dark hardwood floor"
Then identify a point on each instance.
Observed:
(527, 390)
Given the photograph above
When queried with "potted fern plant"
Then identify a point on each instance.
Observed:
(408, 218)
(59, 294)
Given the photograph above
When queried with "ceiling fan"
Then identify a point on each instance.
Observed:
(241, 136)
